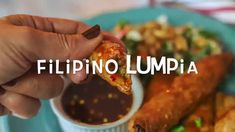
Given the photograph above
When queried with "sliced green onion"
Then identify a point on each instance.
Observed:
(178, 128)
(198, 122)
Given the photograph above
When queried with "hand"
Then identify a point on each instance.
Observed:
(25, 39)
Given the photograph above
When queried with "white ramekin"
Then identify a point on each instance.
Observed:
(69, 125)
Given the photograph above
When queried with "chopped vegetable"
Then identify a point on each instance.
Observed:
(113, 77)
(158, 38)
(198, 122)
(134, 35)
(167, 48)
(208, 34)
(188, 34)
(122, 23)
(205, 51)
(178, 128)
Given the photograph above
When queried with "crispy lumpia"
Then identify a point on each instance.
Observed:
(158, 84)
(204, 114)
(203, 117)
(165, 110)
(225, 113)
(110, 50)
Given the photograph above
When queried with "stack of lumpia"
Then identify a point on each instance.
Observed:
(167, 107)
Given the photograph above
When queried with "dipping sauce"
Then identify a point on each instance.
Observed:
(95, 102)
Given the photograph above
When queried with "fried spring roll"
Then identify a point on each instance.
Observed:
(225, 113)
(203, 117)
(166, 109)
(158, 84)
(110, 50)
(204, 113)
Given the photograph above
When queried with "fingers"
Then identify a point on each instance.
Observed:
(36, 44)
(43, 86)
(26, 45)
(20, 105)
(56, 25)
(60, 46)
(79, 76)
(25, 39)
(4, 110)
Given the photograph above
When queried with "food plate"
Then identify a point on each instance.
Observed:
(46, 121)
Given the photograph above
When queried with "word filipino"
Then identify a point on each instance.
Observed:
(166, 65)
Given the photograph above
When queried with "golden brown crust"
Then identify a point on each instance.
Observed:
(109, 50)
(163, 111)
(206, 113)
(226, 123)
(158, 84)
(225, 113)
(224, 103)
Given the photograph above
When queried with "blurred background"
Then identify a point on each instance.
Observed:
(224, 10)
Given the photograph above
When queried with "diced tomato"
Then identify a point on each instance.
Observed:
(113, 77)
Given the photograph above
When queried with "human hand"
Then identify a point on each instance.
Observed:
(23, 40)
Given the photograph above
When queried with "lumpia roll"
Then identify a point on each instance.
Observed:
(202, 119)
(165, 110)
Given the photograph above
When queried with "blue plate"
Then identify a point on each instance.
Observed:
(46, 121)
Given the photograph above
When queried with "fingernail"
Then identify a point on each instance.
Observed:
(2, 91)
(93, 32)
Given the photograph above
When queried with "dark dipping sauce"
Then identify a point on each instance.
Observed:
(95, 102)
